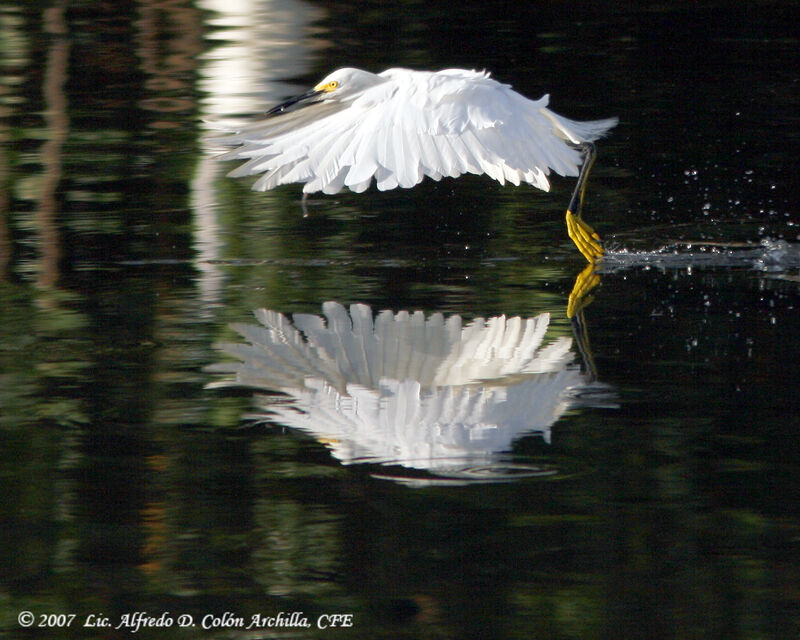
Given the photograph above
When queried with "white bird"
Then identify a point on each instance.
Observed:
(398, 126)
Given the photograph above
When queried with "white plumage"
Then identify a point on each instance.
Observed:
(353, 348)
(427, 393)
(399, 126)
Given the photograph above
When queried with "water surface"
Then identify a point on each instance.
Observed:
(645, 482)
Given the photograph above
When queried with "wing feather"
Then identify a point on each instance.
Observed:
(400, 158)
(429, 158)
(361, 158)
(448, 160)
(466, 153)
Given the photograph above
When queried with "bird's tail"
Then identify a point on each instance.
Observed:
(576, 131)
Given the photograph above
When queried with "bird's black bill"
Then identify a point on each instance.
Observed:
(295, 103)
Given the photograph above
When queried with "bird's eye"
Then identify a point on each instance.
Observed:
(333, 84)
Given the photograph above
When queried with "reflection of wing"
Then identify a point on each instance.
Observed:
(354, 348)
(406, 423)
(424, 392)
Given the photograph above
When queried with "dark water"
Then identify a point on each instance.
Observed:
(639, 479)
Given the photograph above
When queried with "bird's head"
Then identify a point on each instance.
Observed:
(341, 85)
(346, 83)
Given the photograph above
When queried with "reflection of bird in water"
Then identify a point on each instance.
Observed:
(428, 393)
(399, 126)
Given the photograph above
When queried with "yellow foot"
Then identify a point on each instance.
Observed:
(584, 237)
(578, 297)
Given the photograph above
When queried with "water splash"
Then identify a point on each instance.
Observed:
(771, 256)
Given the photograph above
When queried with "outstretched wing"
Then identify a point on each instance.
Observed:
(414, 125)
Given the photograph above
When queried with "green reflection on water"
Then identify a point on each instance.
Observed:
(128, 487)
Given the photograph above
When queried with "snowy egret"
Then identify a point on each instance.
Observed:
(399, 126)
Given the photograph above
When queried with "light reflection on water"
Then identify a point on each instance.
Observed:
(460, 472)
(276, 35)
